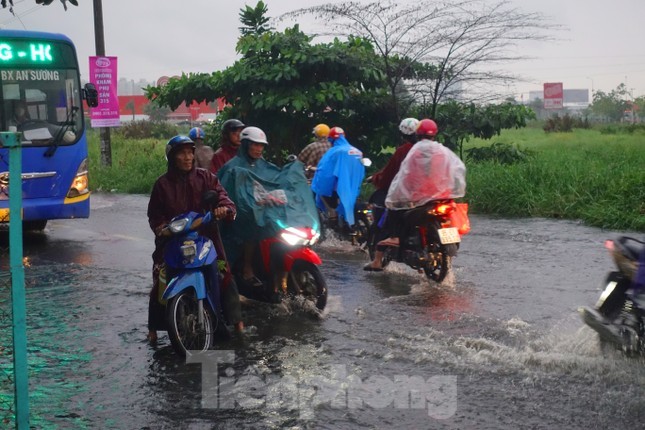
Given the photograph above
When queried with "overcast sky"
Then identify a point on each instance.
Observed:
(603, 46)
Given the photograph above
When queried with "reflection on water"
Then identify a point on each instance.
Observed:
(503, 326)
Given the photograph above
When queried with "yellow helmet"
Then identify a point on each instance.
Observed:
(321, 130)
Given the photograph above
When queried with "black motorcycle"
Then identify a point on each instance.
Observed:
(356, 234)
(619, 314)
(429, 239)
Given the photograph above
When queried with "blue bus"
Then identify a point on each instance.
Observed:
(41, 99)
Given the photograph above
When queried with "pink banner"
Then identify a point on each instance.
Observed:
(103, 74)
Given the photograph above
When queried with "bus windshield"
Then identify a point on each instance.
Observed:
(41, 95)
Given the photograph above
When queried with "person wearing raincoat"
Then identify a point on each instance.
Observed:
(339, 176)
(180, 190)
(267, 197)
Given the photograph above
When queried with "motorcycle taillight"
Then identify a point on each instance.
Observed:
(442, 209)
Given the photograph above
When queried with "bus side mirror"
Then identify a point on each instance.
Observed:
(91, 95)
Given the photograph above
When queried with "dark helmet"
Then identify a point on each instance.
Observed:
(196, 133)
(427, 127)
(230, 125)
(176, 142)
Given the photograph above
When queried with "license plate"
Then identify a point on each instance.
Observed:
(449, 235)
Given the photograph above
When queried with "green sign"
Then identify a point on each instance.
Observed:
(17, 53)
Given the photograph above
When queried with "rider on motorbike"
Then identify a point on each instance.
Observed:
(339, 176)
(383, 178)
(203, 152)
(231, 130)
(246, 232)
(177, 191)
(311, 154)
(430, 171)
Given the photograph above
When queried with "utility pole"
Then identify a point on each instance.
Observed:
(106, 145)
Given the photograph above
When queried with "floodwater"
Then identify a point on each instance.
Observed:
(498, 345)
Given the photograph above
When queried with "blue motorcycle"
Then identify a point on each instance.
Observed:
(193, 312)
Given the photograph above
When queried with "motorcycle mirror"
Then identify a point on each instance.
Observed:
(366, 162)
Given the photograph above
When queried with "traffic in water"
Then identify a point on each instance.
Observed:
(498, 344)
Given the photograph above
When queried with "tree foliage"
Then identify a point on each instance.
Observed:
(5, 3)
(438, 50)
(611, 105)
(254, 20)
(156, 112)
(285, 84)
(458, 122)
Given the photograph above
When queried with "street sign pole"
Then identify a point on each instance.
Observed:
(18, 302)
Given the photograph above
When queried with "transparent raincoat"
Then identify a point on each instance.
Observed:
(430, 171)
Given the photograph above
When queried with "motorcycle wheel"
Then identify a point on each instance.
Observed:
(438, 265)
(184, 329)
(362, 231)
(306, 280)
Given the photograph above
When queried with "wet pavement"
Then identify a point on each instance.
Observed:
(498, 345)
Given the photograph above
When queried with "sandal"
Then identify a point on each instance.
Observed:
(369, 268)
(390, 241)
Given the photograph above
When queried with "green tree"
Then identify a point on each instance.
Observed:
(254, 20)
(156, 111)
(285, 84)
(458, 122)
(639, 104)
(130, 105)
(612, 105)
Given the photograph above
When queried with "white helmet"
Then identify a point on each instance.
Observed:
(409, 126)
(254, 134)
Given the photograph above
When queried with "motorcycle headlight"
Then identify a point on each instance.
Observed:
(314, 238)
(294, 236)
(189, 250)
(178, 225)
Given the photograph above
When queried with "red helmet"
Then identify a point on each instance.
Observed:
(427, 127)
(335, 132)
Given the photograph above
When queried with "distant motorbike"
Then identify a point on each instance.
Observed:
(619, 314)
(430, 238)
(194, 316)
(363, 219)
(356, 234)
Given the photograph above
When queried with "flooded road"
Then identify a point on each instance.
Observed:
(499, 345)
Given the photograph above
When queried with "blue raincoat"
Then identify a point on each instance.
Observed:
(341, 170)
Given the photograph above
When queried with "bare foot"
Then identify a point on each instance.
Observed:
(152, 337)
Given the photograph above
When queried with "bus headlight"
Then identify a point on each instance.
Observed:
(80, 183)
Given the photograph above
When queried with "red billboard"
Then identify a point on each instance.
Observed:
(553, 95)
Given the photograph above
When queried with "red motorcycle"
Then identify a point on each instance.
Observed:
(287, 267)
(430, 238)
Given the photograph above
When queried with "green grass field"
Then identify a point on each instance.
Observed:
(585, 175)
